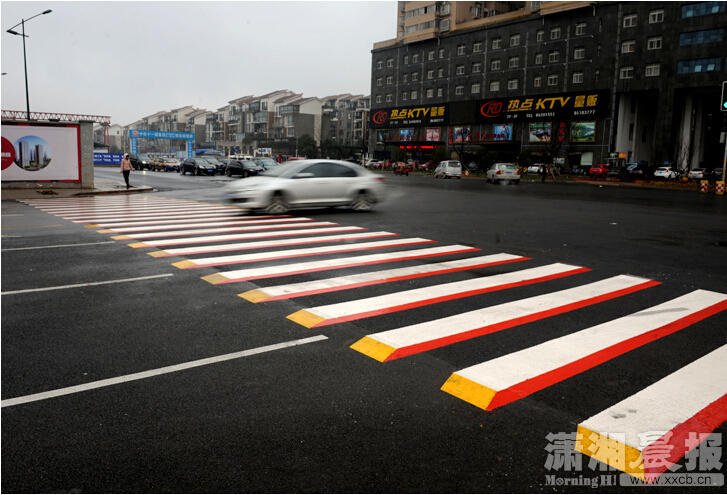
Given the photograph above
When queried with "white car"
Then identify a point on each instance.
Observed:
(665, 173)
(447, 169)
(535, 168)
(696, 173)
(503, 172)
(308, 183)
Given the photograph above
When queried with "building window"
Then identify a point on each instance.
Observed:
(630, 20)
(406, 59)
(537, 81)
(698, 65)
(579, 53)
(703, 8)
(378, 98)
(495, 64)
(654, 43)
(553, 56)
(555, 33)
(460, 49)
(580, 29)
(405, 78)
(515, 40)
(496, 43)
(444, 9)
(475, 90)
(444, 25)
(379, 81)
(430, 55)
(380, 64)
(596, 75)
(513, 63)
(389, 80)
(459, 70)
(652, 70)
(477, 47)
(476, 67)
(540, 36)
(459, 90)
(441, 53)
(414, 76)
(430, 74)
(390, 62)
(440, 72)
(626, 72)
(628, 46)
(578, 78)
(553, 80)
(439, 92)
(430, 93)
(404, 94)
(494, 85)
(538, 58)
(414, 95)
(388, 98)
(701, 37)
(512, 84)
(415, 58)
(656, 16)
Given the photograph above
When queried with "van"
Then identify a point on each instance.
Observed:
(447, 169)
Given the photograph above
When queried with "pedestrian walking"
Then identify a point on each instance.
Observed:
(126, 168)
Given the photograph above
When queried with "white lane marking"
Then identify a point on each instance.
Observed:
(381, 276)
(314, 266)
(444, 331)
(220, 218)
(293, 253)
(305, 223)
(13, 214)
(272, 243)
(512, 371)
(116, 209)
(72, 286)
(237, 221)
(397, 301)
(60, 246)
(239, 237)
(187, 212)
(158, 371)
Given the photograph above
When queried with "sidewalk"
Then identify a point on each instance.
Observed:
(102, 186)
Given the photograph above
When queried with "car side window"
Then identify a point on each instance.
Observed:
(317, 169)
(338, 170)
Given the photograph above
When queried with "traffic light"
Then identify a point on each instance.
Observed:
(723, 106)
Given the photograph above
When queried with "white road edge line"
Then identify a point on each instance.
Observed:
(158, 371)
(86, 284)
(59, 246)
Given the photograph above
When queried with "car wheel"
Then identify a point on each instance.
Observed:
(228, 172)
(277, 204)
(362, 202)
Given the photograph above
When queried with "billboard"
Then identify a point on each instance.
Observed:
(562, 106)
(433, 134)
(406, 134)
(409, 116)
(462, 134)
(107, 158)
(502, 132)
(583, 132)
(539, 132)
(41, 153)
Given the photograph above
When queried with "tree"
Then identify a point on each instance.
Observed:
(307, 146)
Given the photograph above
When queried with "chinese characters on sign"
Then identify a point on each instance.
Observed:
(563, 106)
(408, 116)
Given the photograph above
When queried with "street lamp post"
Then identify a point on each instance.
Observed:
(25, 60)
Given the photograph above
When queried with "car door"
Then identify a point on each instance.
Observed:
(308, 185)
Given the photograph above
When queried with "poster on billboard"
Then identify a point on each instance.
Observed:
(502, 132)
(433, 134)
(583, 132)
(40, 153)
(406, 134)
(462, 134)
(540, 132)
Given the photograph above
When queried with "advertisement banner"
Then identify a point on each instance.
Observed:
(540, 132)
(41, 153)
(406, 134)
(563, 106)
(141, 133)
(459, 135)
(583, 132)
(409, 116)
(433, 134)
(107, 158)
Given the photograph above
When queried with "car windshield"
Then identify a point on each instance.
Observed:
(265, 162)
(286, 169)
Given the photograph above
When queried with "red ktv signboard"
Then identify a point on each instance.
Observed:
(563, 106)
(427, 115)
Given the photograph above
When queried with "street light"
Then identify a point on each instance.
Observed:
(25, 62)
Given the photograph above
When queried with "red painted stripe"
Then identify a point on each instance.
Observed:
(448, 297)
(478, 332)
(348, 265)
(392, 279)
(677, 439)
(552, 377)
(284, 243)
(288, 256)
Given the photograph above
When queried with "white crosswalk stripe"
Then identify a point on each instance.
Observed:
(295, 223)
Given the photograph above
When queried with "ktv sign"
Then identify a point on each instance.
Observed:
(568, 106)
(410, 116)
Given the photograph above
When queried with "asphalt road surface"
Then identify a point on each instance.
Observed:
(182, 386)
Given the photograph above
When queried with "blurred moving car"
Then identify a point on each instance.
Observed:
(447, 169)
(666, 173)
(244, 168)
(309, 183)
(197, 166)
(696, 173)
(503, 172)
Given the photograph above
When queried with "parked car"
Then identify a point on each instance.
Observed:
(535, 168)
(171, 164)
(716, 174)
(503, 172)
(666, 173)
(599, 170)
(697, 174)
(308, 183)
(636, 170)
(135, 162)
(614, 172)
(265, 162)
(403, 169)
(244, 168)
(146, 162)
(197, 166)
(219, 166)
(447, 169)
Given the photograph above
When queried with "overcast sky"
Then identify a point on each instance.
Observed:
(131, 59)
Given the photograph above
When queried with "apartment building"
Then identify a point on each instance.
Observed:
(638, 81)
(345, 119)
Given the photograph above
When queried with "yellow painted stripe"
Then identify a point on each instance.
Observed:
(305, 318)
(373, 349)
(469, 391)
(104, 231)
(215, 278)
(138, 244)
(118, 237)
(157, 254)
(92, 226)
(610, 451)
(254, 296)
(184, 264)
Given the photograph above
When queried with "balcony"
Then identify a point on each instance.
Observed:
(260, 118)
